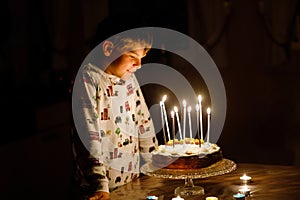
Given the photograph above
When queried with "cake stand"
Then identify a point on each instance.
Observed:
(221, 167)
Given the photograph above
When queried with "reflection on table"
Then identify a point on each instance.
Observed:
(269, 182)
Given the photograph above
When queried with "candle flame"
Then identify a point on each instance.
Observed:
(175, 109)
(161, 103)
(197, 107)
(189, 109)
(208, 110)
(184, 103)
(172, 114)
(199, 98)
(164, 98)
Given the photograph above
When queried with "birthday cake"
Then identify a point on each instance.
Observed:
(186, 155)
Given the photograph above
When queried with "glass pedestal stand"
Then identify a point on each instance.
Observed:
(222, 167)
(189, 188)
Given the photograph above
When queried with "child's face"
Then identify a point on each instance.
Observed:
(124, 66)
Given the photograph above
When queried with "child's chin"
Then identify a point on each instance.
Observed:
(126, 76)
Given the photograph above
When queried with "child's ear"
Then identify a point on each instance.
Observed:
(107, 47)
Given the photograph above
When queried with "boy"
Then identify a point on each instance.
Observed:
(111, 117)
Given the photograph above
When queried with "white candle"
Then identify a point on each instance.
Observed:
(211, 198)
(165, 114)
(173, 126)
(162, 120)
(208, 124)
(177, 198)
(198, 132)
(200, 108)
(245, 190)
(190, 120)
(178, 122)
(184, 118)
(245, 178)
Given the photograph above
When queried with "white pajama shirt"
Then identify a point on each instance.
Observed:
(116, 127)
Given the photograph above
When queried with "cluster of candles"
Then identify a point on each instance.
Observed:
(244, 191)
(174, 113)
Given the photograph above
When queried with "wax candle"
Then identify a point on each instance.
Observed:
(178, 122)
(165, 115)
(200, 111)
(177, 198)
(239, 196)
(211, 198)
(152, 197)
(173, 126)
(245, 179)
(162, 120)
(184, 119)
(198, 132)
(190, 120)
(245, 190)
(208, 124)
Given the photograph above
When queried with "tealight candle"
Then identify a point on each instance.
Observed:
(211, 198)
(239, 196)
(152, 197)
(245, 178)
(177, 198)
(245, 190)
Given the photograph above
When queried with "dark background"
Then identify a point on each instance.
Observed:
(255, 45)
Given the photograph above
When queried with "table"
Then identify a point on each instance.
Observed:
(269, 182)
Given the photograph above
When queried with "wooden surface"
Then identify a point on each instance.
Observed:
(269, 182)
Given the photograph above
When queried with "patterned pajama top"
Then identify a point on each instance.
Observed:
(114, 127)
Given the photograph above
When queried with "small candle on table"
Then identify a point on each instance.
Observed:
(165, 114)
(200, 111)
(208, 124)
(245, 179)
(245, 190)
(184, 118)
(211, 198)
(173, 127)
(178, 122)
(152, 197)
(190, 120)
(177, 198)
(239, 196)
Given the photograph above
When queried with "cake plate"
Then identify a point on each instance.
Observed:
(223, 166)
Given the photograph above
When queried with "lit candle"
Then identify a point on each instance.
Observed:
(245, 179)
(198, 132)
(239, 196)
(190, 120)
(177, 198)
(162, 120)
(178, 122)
(165, 114)
(211, 198)
(200, 111)
(245, 190)
(184, 118)
(152, 197)
(173, 127)
(208, 124)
